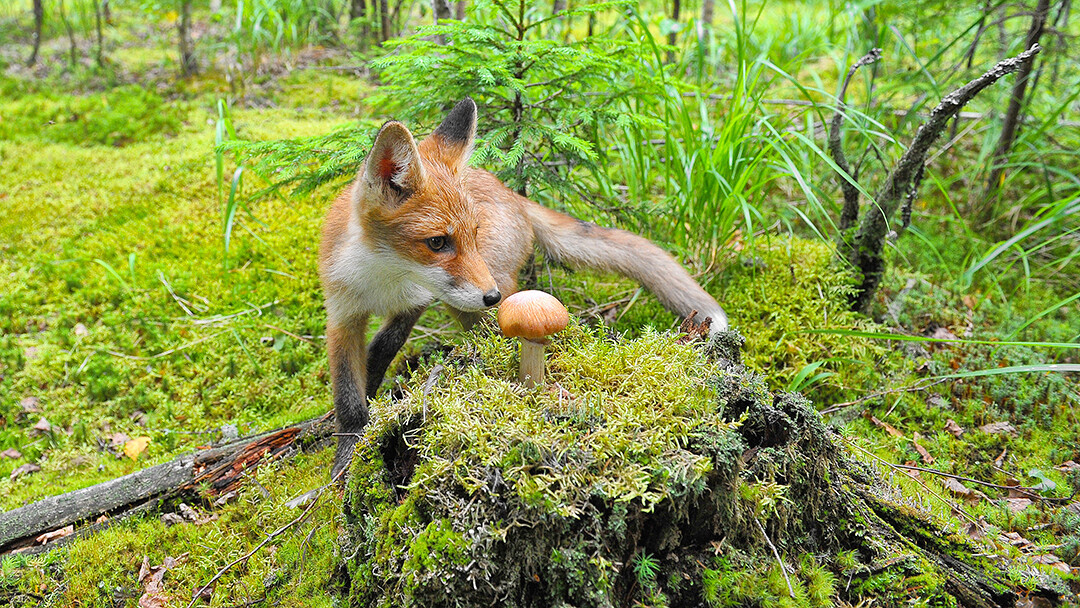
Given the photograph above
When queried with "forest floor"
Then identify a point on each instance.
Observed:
(122, 317)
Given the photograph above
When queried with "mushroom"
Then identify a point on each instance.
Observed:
(532, 316)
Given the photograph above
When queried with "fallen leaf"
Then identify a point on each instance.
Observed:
(171, 519)
(1045, 484)
(1068, 466)
(1014, 488)
(30, 405)
(1049, 559)
(890, 429)
(118, 439)
(1017, 505)
(225, 499)
(936, 401)
(926, 457)
(960, 490)
(1000, 460)
(136, 446)
(189, 514)
(976, 530)
(41, 427)
(24, 469)
(998, 428)
(80, 330)
(144, 570)
(11, 453)
(55, 534)
(969, 301)
(152, 578)
(943, 333)
(1034, 601)
(205, 593)
(953, 428)
(909, 472)
(1018, 541)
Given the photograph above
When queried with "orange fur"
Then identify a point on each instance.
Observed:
(377, 255)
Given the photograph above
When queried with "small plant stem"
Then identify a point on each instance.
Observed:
(1011, 124)
(532, 363)
(269, 537)
(776, 554)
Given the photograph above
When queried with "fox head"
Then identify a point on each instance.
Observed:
(413, 205)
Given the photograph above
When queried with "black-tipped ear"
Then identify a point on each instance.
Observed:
(459, 126)
(393, 164)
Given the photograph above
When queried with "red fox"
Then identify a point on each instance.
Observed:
(418, 224)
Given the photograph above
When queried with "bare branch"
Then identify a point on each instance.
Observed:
(865, 249)
(850, 211)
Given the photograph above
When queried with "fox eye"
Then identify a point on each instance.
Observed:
(436, 243)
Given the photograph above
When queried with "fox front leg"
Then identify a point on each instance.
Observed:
(345, 345)
(386, 344)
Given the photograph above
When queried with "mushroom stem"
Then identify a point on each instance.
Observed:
(532, 363)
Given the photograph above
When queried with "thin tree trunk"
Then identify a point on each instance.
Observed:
(39, 22)
(441, 11)
(676, 7)
(459, 10)
(358, 9)
(558, 6)
(99, 52)
(187, 57)
(707, 9)
(384, 21)
(106, 10)
(1066, 9)
(1011, 125)
(970, 57)
(70, 32)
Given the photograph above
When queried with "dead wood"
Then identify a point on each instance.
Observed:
(212, 471)
(850, 212)
(865, 249)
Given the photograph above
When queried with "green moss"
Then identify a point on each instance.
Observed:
(634, 446)
(119, 116)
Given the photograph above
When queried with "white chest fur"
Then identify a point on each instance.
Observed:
(371, 281)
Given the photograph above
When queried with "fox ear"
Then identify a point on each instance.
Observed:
(393, 163)
(454, 137)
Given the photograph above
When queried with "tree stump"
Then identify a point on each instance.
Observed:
(645, 472)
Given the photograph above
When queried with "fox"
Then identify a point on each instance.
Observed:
(418, 224)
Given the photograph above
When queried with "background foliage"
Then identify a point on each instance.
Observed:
(157, 236)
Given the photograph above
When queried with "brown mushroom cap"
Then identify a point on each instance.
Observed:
(532, 315)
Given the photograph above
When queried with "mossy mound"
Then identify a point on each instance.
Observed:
(645, 471)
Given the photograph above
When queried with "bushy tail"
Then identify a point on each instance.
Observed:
(583, 244)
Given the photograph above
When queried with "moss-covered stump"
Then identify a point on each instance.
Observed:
(644, 472)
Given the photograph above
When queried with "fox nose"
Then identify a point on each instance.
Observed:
(492, 297)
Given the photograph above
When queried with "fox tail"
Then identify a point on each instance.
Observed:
(582, 244)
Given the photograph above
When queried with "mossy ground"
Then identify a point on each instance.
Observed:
(121, 313)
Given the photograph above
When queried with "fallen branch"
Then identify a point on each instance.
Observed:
(269, 537)
(219, 469)
(1029, 492)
